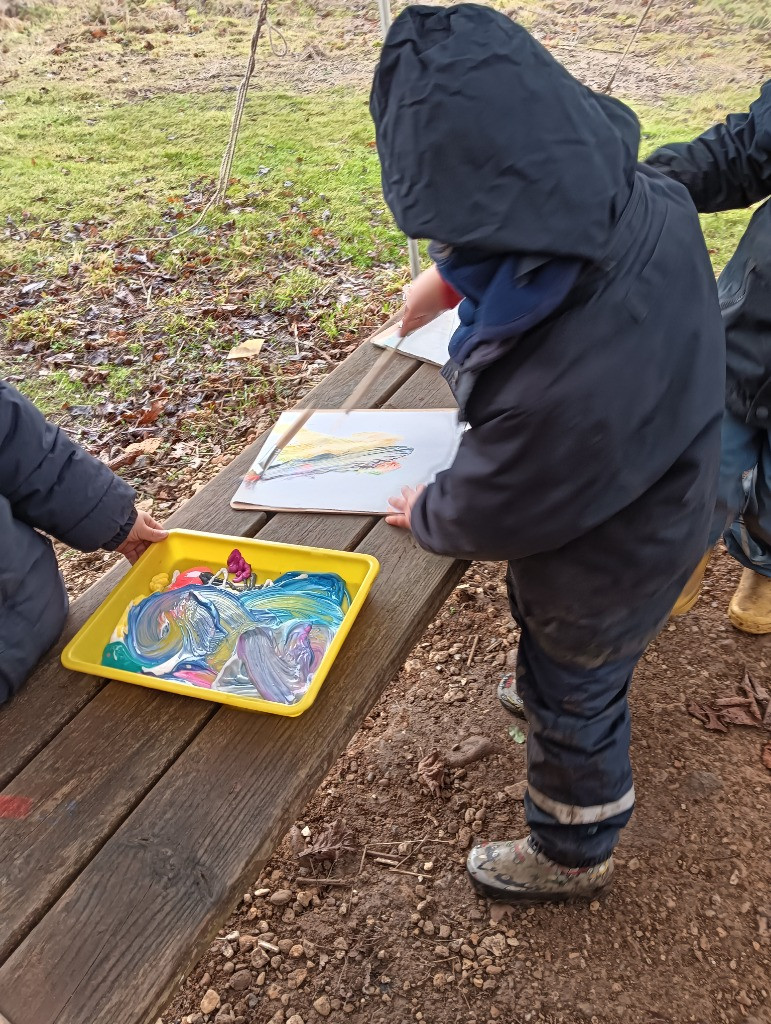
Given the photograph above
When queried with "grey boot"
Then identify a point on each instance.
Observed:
(515, 872)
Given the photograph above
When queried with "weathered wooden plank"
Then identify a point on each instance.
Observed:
(151, 898)
(60, 768)
(208, 891)
(81, 786)
(52, 696)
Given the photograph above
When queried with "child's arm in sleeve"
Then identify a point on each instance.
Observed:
(502, 499)
(729, 166)
(54, 485)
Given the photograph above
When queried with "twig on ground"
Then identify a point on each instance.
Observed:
(473, 651)
(337, 883)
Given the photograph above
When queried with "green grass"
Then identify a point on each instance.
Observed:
(306, 197)
(304, 167)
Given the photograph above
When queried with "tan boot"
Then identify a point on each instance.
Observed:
(750, 607)
(692, 589)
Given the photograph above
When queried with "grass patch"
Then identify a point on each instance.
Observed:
(78, 172)
(83, 177)
(77, 169)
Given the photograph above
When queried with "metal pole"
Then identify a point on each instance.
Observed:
(384, 7)
(385, 15)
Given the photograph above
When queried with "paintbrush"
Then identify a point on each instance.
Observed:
(382, 362)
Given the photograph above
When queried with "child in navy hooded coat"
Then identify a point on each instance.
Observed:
(589, 363)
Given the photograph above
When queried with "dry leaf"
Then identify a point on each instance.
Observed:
(749, 690)
(738, 716)
(331, 842)
(150, 414)
(248, 349)
(432, 773)
(732, 702)
(761, 693)
(149, 446)
(707, 716)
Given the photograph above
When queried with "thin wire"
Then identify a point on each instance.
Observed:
(631, 43)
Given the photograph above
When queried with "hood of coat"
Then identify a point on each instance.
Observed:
(487, 142)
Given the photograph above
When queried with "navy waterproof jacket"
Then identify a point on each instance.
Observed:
(592, 457)
(729, 168)
(48, 485)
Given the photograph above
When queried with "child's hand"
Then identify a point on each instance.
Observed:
(144, 532)
(403, 507)
(427, 297)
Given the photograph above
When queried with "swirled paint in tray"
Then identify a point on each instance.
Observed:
(204, 629)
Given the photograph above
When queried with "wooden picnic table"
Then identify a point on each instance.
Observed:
(141, 817)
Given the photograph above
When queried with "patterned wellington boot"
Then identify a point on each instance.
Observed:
(508, 696)
(750, 607)
(515, 872)
(692, 589)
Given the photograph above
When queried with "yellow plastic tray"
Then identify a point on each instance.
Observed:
(185, 549)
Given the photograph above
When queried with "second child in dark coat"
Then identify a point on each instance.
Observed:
(50, 485)
(729, 168)
(589, 365)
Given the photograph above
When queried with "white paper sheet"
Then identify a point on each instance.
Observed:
(428, 343)
(353, 462)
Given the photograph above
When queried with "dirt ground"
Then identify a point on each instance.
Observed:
(389, 932)
(684, 936)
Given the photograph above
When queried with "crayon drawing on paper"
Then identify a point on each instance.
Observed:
(353, 462)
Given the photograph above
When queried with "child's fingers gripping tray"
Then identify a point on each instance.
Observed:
(244, 622)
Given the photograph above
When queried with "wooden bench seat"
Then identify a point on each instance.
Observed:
(149, 814)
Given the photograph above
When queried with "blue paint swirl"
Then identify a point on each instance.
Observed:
(264, 642)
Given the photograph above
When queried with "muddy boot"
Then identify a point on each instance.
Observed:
(508, 696)
(750, 607)
(515, 872)
(691, 590)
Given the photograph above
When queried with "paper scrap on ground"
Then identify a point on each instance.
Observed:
(429, 343)
(248, 349)
(353, 462)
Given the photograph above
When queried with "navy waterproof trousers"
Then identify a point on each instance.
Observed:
(743, 511)
(579, 778)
